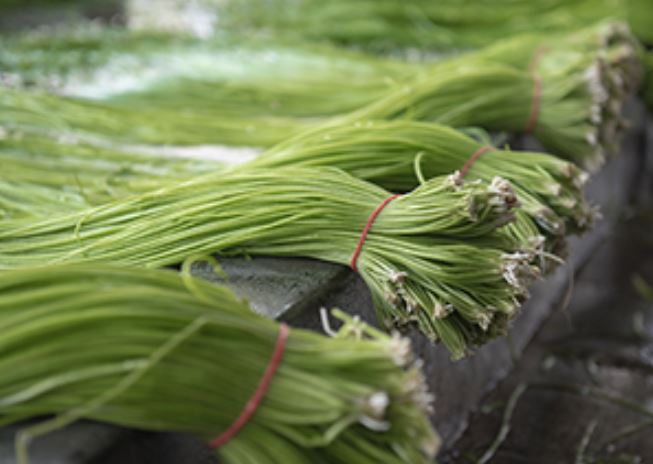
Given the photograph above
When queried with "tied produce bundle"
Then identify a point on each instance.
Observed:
(398, 155)
(181, 71)
(180, 90)
(387, 25)
(648, 90)
(42, 176)
(568, 92)
(48, 174)
(157, 350)
(106, 123)
(458, 277)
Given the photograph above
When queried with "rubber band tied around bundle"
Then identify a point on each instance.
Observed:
(534, 113)
(259, 394)
(472, 159)
(366, 230)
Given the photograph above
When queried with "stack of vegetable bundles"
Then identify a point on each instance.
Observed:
(382, 25)
(378, 163)
(568, 92)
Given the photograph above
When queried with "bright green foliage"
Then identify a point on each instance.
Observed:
(156, 350)
(386, 25)
(585, 79)
(455, 277)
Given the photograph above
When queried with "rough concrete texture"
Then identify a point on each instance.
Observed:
(588, 375)
(77, 444)
(276, 288)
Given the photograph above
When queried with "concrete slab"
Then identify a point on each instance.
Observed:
(586, 378)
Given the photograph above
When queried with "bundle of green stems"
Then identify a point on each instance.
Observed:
(385, 25)
(159, 350)
(574, 108)
(374, 162)
(395, 155)
(459, 277)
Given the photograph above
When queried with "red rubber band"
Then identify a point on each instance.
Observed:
(537, 90)
(256, 399)
(537, 57)
(535, 104)
(472, 159)
(366, 230)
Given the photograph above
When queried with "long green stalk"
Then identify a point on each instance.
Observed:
(586, 77)
(456, 278)
(569, 95)
(42, 176)
(386, 25)
(395, 154)
(143, 124)
(113, 63)
(46, 174)
(159, 351)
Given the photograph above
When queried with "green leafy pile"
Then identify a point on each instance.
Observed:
(584, 80)
(157, 350)
(387, 25)
(458, 277)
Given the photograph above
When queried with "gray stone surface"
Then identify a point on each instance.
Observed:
(588, 375)
(77, 444)
(276, 288)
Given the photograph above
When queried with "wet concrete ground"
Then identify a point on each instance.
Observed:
(582, 392)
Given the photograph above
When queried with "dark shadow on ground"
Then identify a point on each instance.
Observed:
(583, 390)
